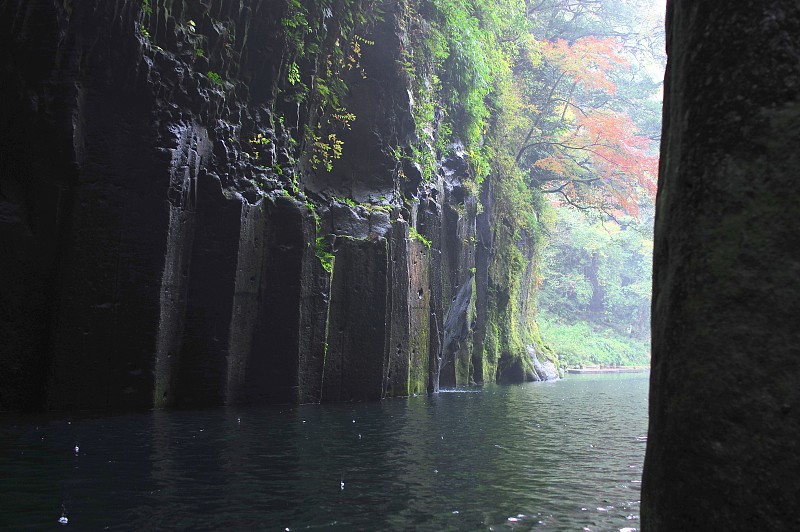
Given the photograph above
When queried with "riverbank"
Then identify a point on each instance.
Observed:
(600, 369)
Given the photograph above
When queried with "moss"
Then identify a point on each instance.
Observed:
(418, 374)
(511, 319)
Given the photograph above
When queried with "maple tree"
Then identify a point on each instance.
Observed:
(581, 144)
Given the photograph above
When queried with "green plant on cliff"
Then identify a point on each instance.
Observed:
(416, 235)
(323, 45)
(321, 248)
(323, 253)
(257, 142)
(215, 78)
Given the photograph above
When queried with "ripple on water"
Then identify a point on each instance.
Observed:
(558, 457)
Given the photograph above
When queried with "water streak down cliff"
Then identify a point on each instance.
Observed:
(149, 260)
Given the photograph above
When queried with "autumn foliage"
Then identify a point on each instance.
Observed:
(585, 148)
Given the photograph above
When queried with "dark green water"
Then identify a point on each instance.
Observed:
(545, 456)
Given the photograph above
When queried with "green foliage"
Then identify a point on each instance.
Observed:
(321, 248)
(470, 45)
(416, 235)
(293, 74)
(323, 253)
(346, 201)
(596, 276)
(584, 342)
(256, 143)
(215, 78)
(295, 25)
(322, 46)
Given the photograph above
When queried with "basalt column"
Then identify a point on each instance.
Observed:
(725, 392)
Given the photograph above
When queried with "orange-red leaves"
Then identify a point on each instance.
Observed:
(588, 60)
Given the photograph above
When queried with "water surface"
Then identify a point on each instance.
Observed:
(542, 456)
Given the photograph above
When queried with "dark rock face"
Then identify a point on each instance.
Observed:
(357, 321)
(151, 256)
(398, 320)
(725, 401)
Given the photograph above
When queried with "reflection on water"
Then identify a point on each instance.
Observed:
(544, 456)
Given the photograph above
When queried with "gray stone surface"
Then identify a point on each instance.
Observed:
(419, 316)
(398, 322)
(542, 370)
(357, 321)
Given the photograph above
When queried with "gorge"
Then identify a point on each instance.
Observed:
(179, 236)
(254, 202)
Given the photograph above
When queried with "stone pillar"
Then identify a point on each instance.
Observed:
(356, 321)
(725, 388)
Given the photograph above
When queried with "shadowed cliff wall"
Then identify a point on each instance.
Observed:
(725, 402)
(157, 253)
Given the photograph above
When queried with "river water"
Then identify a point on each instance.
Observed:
(565, 455)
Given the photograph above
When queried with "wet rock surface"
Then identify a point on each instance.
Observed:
(157, 253)
(357, 321)
(724, 401)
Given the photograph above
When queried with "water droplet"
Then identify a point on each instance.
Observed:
(76, 449)
(238, 420)
(354, 421)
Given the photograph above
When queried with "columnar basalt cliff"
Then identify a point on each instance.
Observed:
(725, 402)
(178, 228)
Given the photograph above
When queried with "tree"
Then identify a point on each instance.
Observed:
(583, 145)
(594, 301)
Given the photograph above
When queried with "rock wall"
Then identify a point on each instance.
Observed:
(724, 398)
(168, 239)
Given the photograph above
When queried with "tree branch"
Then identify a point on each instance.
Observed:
(539, 118)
